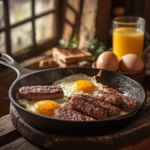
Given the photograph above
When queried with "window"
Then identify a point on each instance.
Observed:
(28, 26)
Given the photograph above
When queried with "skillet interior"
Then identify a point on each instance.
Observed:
(46, 77)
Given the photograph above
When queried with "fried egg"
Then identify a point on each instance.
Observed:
(42, 107)
(78, 84)
(71, 86)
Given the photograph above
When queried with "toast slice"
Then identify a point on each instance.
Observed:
(71, 55)
(75, 64)
(47, 62)
(62, 64)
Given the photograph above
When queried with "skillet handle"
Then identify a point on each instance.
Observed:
(12, 64)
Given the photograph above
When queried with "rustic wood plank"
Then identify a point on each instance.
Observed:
(5, 125)
(5, 84)
(88, 20)
(71, 18)
(22, 144)
(7, 27)
(129, 5)
(139, 7)
(147, 18)
(8, 132)
(103, 20)
(78, 19)
(143, 145)
(61, 17)
(14, 116)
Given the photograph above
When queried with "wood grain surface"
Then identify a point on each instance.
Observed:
(88, 20)
(8, 132)
(103, 20)
(22, 144)
(135, 132)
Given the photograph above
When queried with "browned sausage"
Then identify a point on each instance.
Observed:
(41, 92)
(108, 97)
(111, 109)
(110, 90)
(128, 104)
(87, 107)
(65, 113)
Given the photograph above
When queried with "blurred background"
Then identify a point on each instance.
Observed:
(30, 28)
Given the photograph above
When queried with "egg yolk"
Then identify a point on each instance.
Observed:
(84, 86)
(45, 107)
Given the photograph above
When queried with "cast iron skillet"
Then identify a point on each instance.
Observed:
(27, 77)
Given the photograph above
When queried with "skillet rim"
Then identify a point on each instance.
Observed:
(130, 114)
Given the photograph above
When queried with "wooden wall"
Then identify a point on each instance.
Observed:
(87, 19)
(71, 14)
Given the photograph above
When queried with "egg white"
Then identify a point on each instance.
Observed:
(67, 82)
(28, 104)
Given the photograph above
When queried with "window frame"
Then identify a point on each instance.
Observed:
(35, 47)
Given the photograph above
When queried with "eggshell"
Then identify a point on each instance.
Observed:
(131, 63)
(107, 61)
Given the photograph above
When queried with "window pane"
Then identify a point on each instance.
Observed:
(44, 5)
(2, 42)
(1, 15)
(21, 37)
(45, 27)
(19, 10)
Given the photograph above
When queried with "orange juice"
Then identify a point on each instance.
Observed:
(128, 40)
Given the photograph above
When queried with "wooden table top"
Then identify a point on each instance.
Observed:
(10, 138)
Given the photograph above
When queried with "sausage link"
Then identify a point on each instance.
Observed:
(111, 109)
(128, 103)
(88, 107)
(65, 113)
(108, 97)
(41, 92)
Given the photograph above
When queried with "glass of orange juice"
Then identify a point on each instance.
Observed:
(128, 35)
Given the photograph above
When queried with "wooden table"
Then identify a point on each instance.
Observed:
(10, 138)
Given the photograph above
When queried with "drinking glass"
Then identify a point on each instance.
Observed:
(128, 35)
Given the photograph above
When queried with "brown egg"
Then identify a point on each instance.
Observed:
(107, 61)
(131, 63)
